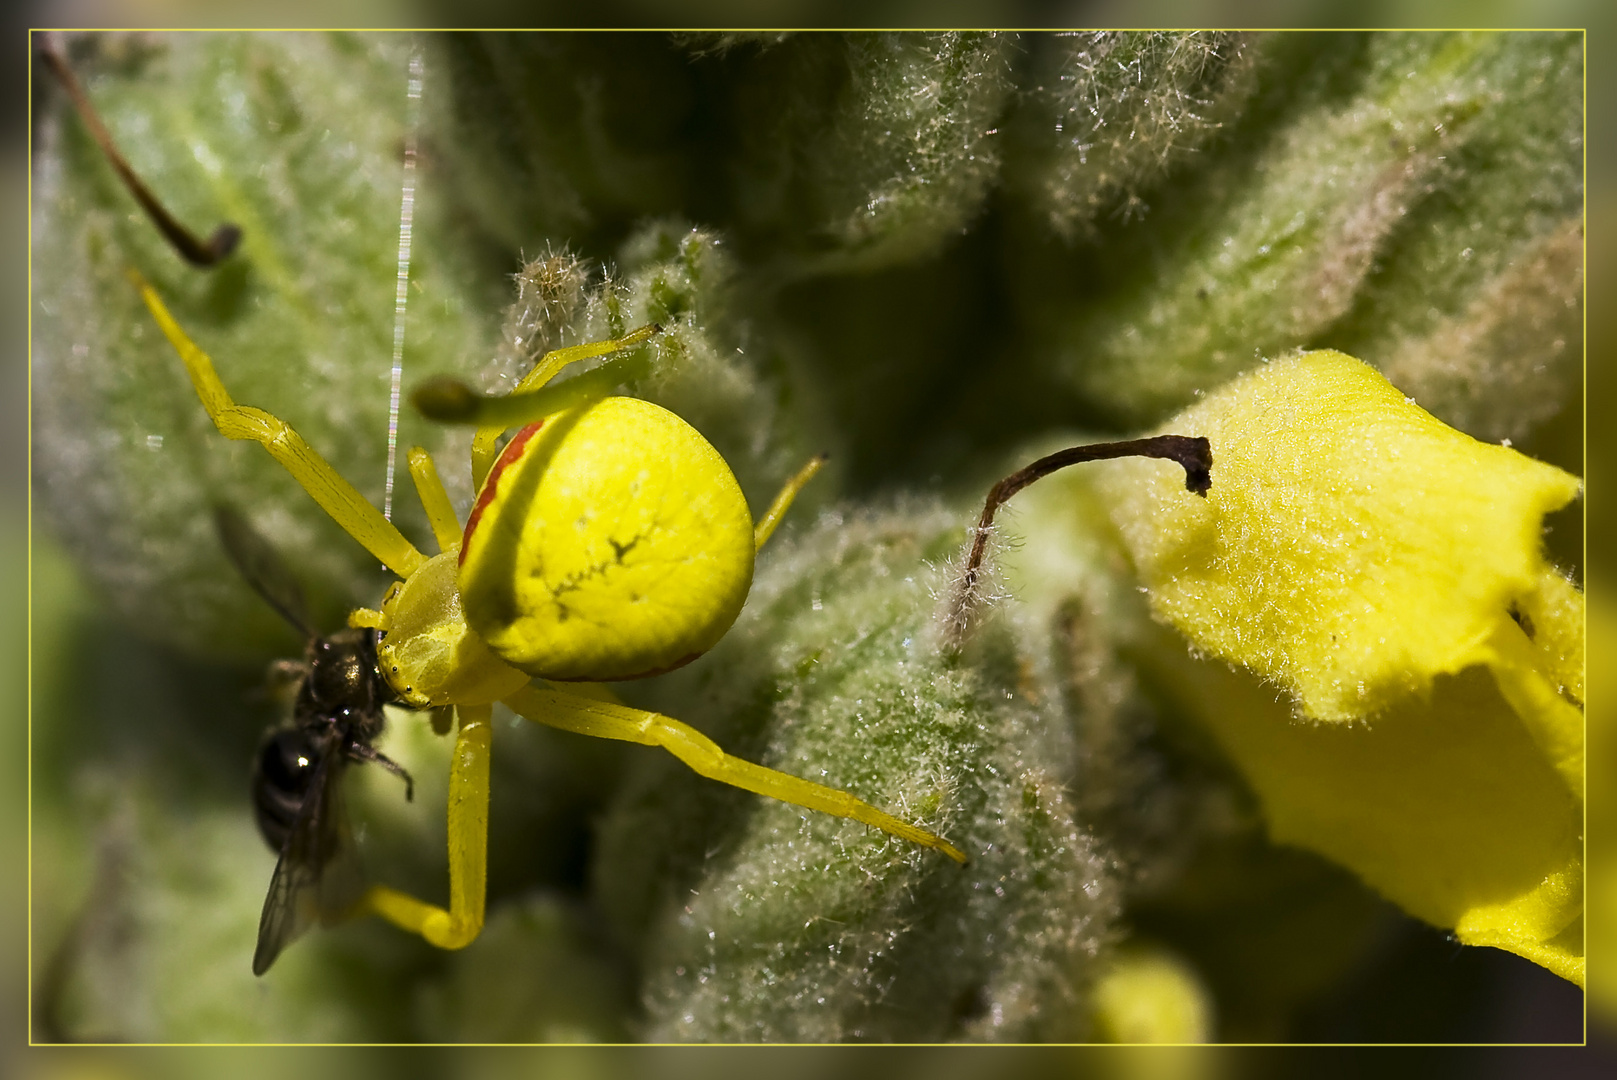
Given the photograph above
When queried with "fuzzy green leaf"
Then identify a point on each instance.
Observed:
(760, 921)
(1393, 186)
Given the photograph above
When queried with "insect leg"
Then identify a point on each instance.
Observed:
(606, 720)
(765, 527)
(366, 752)
(468, 846)
(336, 496)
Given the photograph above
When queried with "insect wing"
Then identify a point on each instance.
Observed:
(318, 877)
(262, 567)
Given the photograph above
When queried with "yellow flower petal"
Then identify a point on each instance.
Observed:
(1385, 571)
(1352, 545)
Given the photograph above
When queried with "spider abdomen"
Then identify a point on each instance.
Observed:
(610, 541)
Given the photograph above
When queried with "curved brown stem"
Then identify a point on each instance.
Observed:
(1194, 454)
(196, 252)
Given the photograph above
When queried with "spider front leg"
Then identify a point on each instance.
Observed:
(608, 720)
(458, 926)
(484, 449)
(336, 496)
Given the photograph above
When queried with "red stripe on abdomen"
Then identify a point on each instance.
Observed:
(508, 456)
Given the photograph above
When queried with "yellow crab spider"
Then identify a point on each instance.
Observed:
(608, 541)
